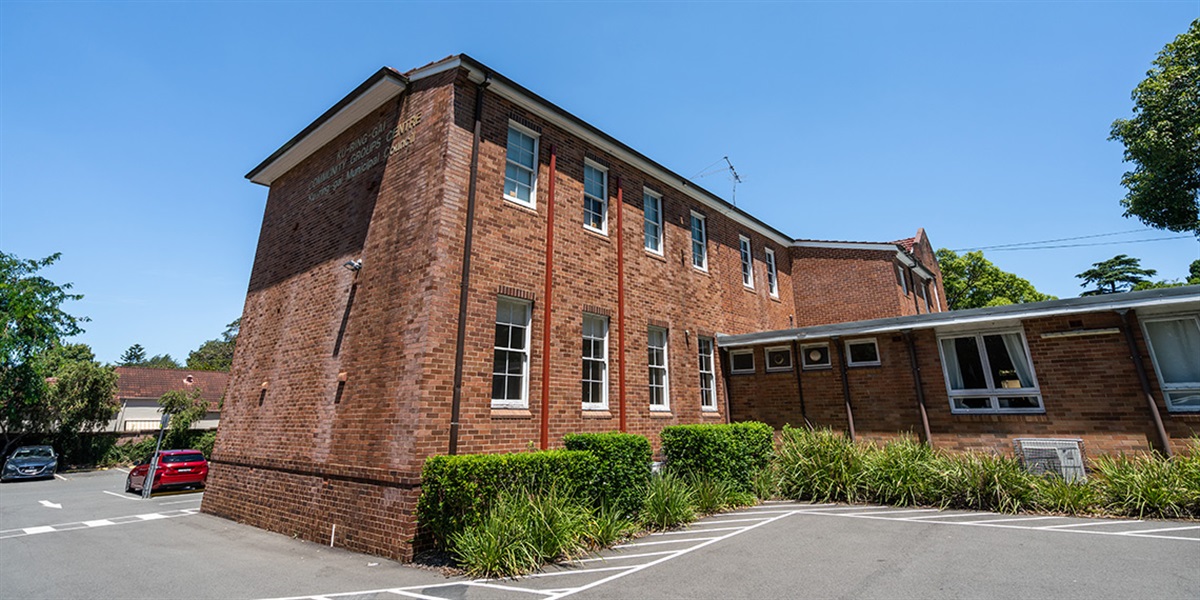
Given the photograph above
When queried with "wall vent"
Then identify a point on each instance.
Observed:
(1060, 457)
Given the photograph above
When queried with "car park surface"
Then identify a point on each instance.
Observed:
(100, 541)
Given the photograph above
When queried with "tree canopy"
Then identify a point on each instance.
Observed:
(1120, 273)
(972, 281)
(216, 355)
(134, 356)
(1162, 140)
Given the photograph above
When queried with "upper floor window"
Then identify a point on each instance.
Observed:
(657, 361)
(520, 172)
(747, 261)
(699, 242)
(708, 378)
(902, 278)
(595, 362)
(1175, 351)
(595, 198)
(652, 207)
(510, 371)
(989, 372)
(772, 274)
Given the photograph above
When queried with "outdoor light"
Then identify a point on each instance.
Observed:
(353, 265)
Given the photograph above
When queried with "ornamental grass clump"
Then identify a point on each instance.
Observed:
(1057, 495)
(819, 465)
(900, 473)
(711, 495)
(668, 503)
(979, 481)
(765, 482)
(1149, 485)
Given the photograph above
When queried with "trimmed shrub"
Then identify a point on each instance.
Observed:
(457, 491)
(900, 473)
(819, 465)
(668, 504)
(732, 452)
(624, 467)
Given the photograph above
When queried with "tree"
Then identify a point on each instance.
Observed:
(1194, 273)
(31, 322)
(82, 394)
(161, 361)
(1120, 273)
(972, 281)
(1162, 139)
(185, 408)
(216, 355)
(134, 356)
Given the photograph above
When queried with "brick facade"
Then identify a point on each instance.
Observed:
(343, 378)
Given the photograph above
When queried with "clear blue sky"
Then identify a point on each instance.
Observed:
(126, 128)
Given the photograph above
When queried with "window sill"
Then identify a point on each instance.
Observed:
(595, 413)
(698, 271)
(711, 414)
(596, 233)
(1184, 414)
(511, 413)
(521, 205)
(661, 414)
(655, 255)
(774, 298)
(818, 368)
(788, 369)
(749, 288)
(742, 372)
(863, 365)
(994, 417)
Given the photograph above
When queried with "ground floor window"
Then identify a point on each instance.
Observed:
(510, 370)
(657, 360)
(989, 372)
(1175, 351)
(595, 362)
(708, 379)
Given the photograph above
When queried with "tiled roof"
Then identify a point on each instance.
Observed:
(142, 382)
(906, 243)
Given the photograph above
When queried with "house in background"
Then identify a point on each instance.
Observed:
(139, 388)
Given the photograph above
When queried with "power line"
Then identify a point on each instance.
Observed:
(1069, 239)
(1177, 237)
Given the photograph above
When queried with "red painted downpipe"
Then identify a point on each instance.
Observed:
(620, 310)
(549, 300)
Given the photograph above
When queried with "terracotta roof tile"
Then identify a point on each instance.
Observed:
(906, 243)
(142, 382)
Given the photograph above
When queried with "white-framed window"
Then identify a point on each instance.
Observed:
(815, 356)
(937, 298)
(595, 362)
(779, 358)
(510, 371)
(520, 170)
(652, 208)
(989, 372)
(772, 274)
(741, 361)
(660, 396)
(862, 353)
(903, 279)
(595, 197)
(925, 294)
(1175, 351)
(708, 376)
(699, 242)
(747, 261)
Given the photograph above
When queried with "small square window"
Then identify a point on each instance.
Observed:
(779, 359)
(742, 361)
(815, 356)
(862, 353)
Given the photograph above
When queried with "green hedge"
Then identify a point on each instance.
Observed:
(732, 452)
(457, 491)
(624, 466)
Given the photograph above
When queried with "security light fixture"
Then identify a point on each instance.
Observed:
(353, 265)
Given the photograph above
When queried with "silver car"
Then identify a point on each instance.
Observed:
(30, 462)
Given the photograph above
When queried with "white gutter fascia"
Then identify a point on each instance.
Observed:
(847, 245)
(625, 156)
(435, 68)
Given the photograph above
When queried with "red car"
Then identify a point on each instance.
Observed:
(176, 469)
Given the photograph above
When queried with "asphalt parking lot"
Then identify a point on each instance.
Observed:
(85, 538)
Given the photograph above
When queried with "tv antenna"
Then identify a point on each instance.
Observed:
(733, 174)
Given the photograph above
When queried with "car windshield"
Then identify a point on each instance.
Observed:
(178, 458)
(39, 452)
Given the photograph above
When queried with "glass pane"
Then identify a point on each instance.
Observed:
(864, 352)
(497, 387)
(500, 361)
(743, 362)
(963, 364)
(516, 363)
(1176, 346)
(517, 338)
(514, 388)
(969, 403)
(1020, 402)
(1189, 399)
(1007, 372)
(502, 336)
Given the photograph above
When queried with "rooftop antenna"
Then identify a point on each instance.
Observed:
(733, 174)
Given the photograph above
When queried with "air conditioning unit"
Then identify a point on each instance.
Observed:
(1060, 457)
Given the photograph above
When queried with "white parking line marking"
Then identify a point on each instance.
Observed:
(896, 512)
(1091, 524)
(1141, 531)
(122, 496)
(37, 530)
(634, 545)
(685, 531)
(622, 556)
(724, 521)
(508, 588)
(179, 502)
(98, 523)
(576, 572)
(833, 508)
(57, 476)
(409, 594)
(946, 515)
(151, 516)
(1011, 519)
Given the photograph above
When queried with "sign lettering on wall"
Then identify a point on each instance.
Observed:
(361, 154)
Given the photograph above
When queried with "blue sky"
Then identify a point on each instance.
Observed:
(126, 128)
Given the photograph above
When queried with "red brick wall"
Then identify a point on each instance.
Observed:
(834, 285)
(1089, 388)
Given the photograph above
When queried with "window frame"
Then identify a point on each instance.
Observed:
(1163, 386)
(523, 401)
(747, 255)
(603, 170)
(991, 392)
(772, 274)
(711, 372)
(694, 219)
(647, 193)
(805, 365)
(767, 359)
(850, 362)
(733, 370)
(603, 403)
(903, 277)
(514, 126)
(665, 405)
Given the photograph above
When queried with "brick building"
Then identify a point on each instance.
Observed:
(450, 263)
(1120, 372)
(139, 389)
